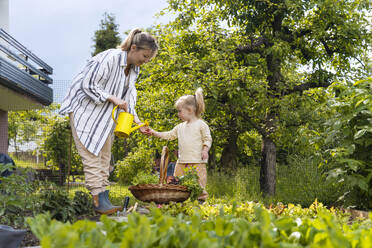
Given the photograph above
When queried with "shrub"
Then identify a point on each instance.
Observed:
(61, 207)
(349, 140)
(58, 204)
(145, 178)
(17, 198)
(141, 159)
(83, 203)
(56, 146)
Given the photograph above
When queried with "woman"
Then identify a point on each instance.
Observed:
(107, 80)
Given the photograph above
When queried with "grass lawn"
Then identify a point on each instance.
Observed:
(28, 164)
(117, 193)
(296, 184)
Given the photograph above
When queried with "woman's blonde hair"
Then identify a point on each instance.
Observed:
(142, 40)
(195, 102)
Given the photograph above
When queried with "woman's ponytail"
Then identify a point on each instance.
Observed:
(199, 99)
(142, 40)
(126, 44)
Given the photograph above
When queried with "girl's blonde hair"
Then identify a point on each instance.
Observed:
(195, 102)
(142, 40)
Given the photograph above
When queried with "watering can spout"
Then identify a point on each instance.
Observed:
(146, 123)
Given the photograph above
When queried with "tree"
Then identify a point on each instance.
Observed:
(25, 126)
(107, 36)
(275, 41)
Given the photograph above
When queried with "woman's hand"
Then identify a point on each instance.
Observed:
(145, 130)
(119, 102)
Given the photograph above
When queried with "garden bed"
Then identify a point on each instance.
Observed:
(246, 224)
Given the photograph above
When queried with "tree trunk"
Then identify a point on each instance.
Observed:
(230, 152)
(212, 163)
(268, 164)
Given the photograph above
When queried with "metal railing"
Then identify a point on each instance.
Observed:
(22, 71)
(25, 55)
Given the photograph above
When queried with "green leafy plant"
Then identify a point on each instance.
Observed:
(145, 178)
(83, 203)
(228, 228)
(56, 145)
(59, 205)
(17, 198)
(347, 142)
(190, 180)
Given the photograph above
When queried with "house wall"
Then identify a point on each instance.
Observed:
(4, 24)
(4, 15)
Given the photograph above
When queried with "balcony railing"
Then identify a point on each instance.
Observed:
(23, 71)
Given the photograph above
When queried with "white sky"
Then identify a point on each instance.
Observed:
(61, 32)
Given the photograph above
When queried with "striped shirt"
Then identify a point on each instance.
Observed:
(102, 76)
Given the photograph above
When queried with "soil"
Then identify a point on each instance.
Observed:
(30, 240)
(89, 217)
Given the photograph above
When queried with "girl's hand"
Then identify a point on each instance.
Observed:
(152, 132)
(205, 152)
(120, 102)
(205, 155)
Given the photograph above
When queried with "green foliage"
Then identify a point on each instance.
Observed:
(348, 137)
(83, 203)
(256, 65)
(56, 234)
(56, 145)
(190, 180)
(141, 159)
(260, 64)
(218, 207)
(145, 178)
(258, 228)
(26, 126)
(49, 131)
(17, 198)
(22, 127)
(62, 208)
(107, 36)
(58, 204)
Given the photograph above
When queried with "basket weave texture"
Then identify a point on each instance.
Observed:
(161, 193)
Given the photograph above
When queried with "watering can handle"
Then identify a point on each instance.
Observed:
(113, 114)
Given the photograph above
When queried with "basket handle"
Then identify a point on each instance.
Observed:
(163, 165)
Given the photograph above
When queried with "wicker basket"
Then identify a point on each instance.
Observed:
(161, 193)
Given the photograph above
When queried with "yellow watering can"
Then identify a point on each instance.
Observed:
(124, 124)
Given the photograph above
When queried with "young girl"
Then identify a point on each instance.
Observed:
(194, 138)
